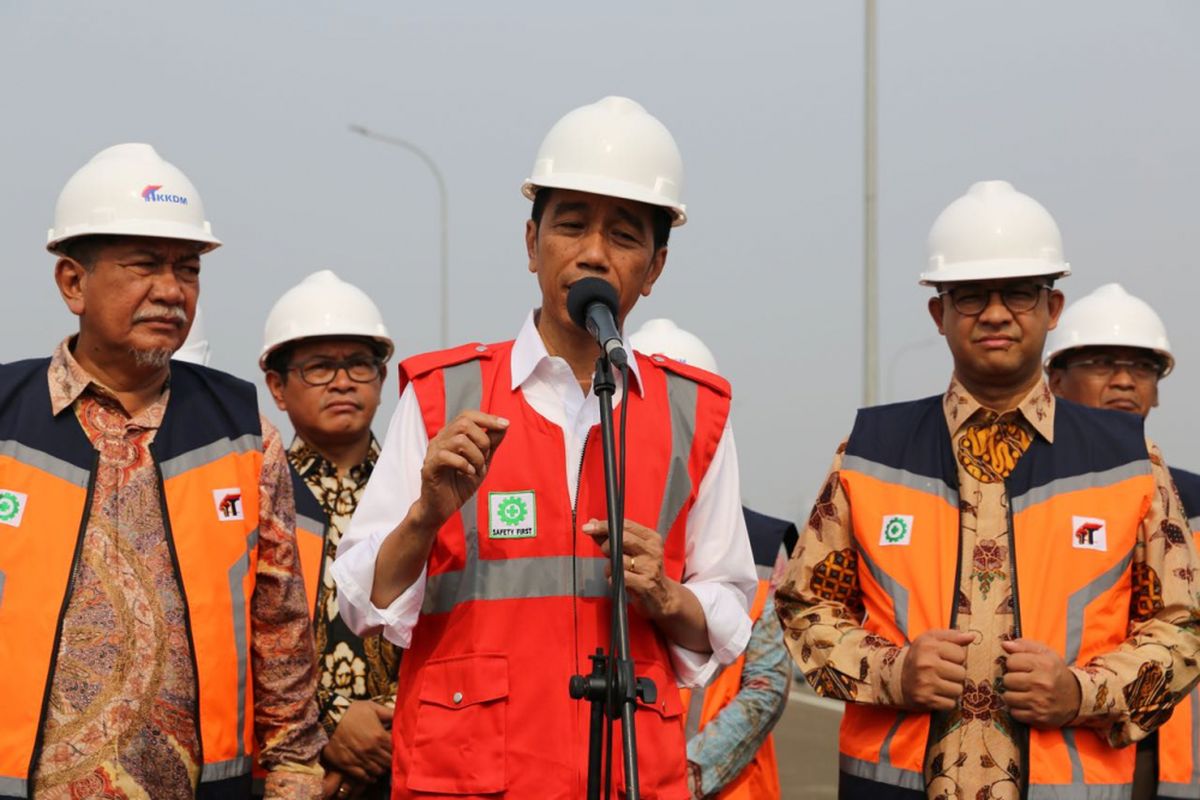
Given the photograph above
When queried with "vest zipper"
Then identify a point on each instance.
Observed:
(575, 548)
(62, 613)
(187, 612)
(1022, 730)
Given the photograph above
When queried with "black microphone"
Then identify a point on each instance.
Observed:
(592, 304)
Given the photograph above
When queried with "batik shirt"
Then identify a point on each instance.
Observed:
(973, 749)
(121, 721)
(351, 667)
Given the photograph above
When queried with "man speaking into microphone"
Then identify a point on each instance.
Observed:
(480, 543)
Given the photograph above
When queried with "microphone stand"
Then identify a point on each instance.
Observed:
(611, 688)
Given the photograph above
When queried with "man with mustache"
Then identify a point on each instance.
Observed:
(999, 584)
(325, 357)
(1110, 350)
(153, 625)
(480, 544)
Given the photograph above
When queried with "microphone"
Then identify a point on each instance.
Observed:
(592, 304)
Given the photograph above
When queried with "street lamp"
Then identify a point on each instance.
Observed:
(442, 210)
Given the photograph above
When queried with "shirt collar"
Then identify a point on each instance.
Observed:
(1037, 407)
(309, 463)
(529, 351)
(68, 380)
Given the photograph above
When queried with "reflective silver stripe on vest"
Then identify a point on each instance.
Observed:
(897, 592)
(1194, 524)
(901, 477)
(209, 453)
(309, 524)
(14, 787)
(1081, 791)
(45, 462)
(223, 770)
(237, 575)
(552, 576)
(1079, 599)
(681, 397)
(881, 773)
(1089, 480)
(2, 577)
(1182, 791)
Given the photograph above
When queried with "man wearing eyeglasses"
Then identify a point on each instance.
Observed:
(994, 581)
(1110, 350)
(325, 358)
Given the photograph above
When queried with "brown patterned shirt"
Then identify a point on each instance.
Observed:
(351, 667)
(972, 749)
(122, 716)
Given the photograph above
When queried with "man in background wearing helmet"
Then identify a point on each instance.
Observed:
(1110, 350)
(985, 575)
(479, 544)
(325, 357)
(153, 619)
(731, 754)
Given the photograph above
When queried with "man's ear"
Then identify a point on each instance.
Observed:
(1055, 380)
(531, 244)
(71, 278)
(275, 384)
(937, 310)
(1055, 303)
(657, 264)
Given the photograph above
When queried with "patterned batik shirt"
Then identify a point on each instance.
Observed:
(351, 667)
(973, 750)
(121, 721)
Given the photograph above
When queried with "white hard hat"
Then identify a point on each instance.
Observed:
(195, 349)
(1110, 316)
(662, 336)
(127, 189)
(994, 231)
(323, 305)
(612, 147)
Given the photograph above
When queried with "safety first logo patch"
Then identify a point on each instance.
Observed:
(229, 504)
(896, 529)
(1089, 533)
(12, 507)
(512, 515)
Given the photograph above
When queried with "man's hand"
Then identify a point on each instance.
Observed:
(455, 465)
(934, 670)
(1039, 689)
(361, 746)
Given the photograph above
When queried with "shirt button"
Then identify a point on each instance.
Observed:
(458, 697)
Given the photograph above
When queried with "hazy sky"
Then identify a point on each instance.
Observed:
(1088, 106)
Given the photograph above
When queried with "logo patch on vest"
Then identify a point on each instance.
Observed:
(12, 507)
(229, 504)
(1089, 533)
(512, 515)
(897, 529)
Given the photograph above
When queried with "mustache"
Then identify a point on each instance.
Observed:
(159, 311)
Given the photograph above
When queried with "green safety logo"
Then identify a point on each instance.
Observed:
(512, 515)
(12, 507)
(896, 529)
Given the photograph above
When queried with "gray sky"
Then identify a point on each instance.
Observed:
(1088, 106)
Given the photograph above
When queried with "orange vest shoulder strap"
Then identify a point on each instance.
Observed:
(421, 365)
(694, 374)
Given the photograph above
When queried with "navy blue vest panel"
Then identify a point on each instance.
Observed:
(911, 436)
(306, 503)
(25, 415)
(1188, 485)
(766, 536)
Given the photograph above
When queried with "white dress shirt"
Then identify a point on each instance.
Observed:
(718, 563)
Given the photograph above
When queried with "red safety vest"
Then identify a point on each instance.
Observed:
(1072, 594)
(760, 779)
(516, 597)
(209, 444)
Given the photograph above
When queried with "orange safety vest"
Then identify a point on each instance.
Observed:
(516, 597)
(1179, 737)
(760, 779)
(312, 525)
(1075, 509)
(208, 453)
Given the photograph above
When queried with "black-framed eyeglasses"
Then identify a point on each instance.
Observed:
(323, 371)
(970, 301)
(1142, 369)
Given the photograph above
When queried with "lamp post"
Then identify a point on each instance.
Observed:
(442, 211)
(870, 212)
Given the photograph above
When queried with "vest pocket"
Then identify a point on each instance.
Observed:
(460, 743)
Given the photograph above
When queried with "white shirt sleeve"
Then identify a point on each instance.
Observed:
(718, 567)
(394, 486)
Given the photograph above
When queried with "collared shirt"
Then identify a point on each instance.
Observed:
(121, 721)
(351, 667)
(974, 748)
(718, 567)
